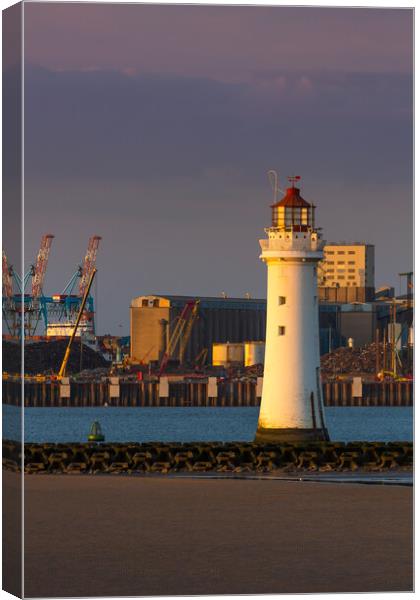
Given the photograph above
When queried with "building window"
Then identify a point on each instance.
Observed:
(282, 330)
(351, 262)
(352, 270)
(330, 270)
(145, 303)
(351, 277)
(329, 251)
(341, 252)
(341, 270)
(351, 252)
(282, 300)
(155, 302)
(341, 262)
(341, 277)
(330, 276)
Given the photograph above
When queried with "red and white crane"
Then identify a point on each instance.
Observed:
(8, 303)
(88, 263)
(7, 279)
(40, 267)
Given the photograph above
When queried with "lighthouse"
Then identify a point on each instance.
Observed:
(291, 403)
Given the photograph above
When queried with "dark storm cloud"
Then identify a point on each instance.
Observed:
(108, 125)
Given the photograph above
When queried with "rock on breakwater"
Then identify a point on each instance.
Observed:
(148, 458)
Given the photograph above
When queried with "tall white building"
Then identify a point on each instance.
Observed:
(291, 404)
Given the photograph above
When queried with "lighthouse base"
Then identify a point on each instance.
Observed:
(274, 436)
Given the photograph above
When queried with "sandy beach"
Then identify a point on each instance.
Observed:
(105, 535)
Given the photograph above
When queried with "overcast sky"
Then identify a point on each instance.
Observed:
(155, 126)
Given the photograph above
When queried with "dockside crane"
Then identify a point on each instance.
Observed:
(89, 263)
(409, 287)
(7, 277)
(23, 310)
(185, 338)
(200, 359)
(183, 325)
(38, 271)
(62, 371)
(40, 267)
(88, 267)
(19, 306)
(8, 305)
(63, 308)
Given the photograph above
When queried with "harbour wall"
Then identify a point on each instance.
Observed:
(184, 394)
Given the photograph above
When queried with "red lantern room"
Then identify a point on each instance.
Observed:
(292, 211)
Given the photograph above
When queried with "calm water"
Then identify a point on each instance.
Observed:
(195, 424)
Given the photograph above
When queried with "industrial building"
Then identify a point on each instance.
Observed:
(239, 320)
(347, 273)
(245, 354)
(153, 320)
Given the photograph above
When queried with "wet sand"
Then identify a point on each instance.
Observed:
(105, 535)
(12, 533)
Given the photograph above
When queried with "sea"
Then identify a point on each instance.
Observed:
(188, 424)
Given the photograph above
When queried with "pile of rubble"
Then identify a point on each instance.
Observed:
(96, 374)
(354, 361)
(46, 357)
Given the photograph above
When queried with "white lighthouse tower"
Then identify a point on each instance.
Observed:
(291, 404)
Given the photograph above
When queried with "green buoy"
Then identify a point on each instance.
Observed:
(96, 434)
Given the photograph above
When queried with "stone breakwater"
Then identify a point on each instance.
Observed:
(149, 458)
